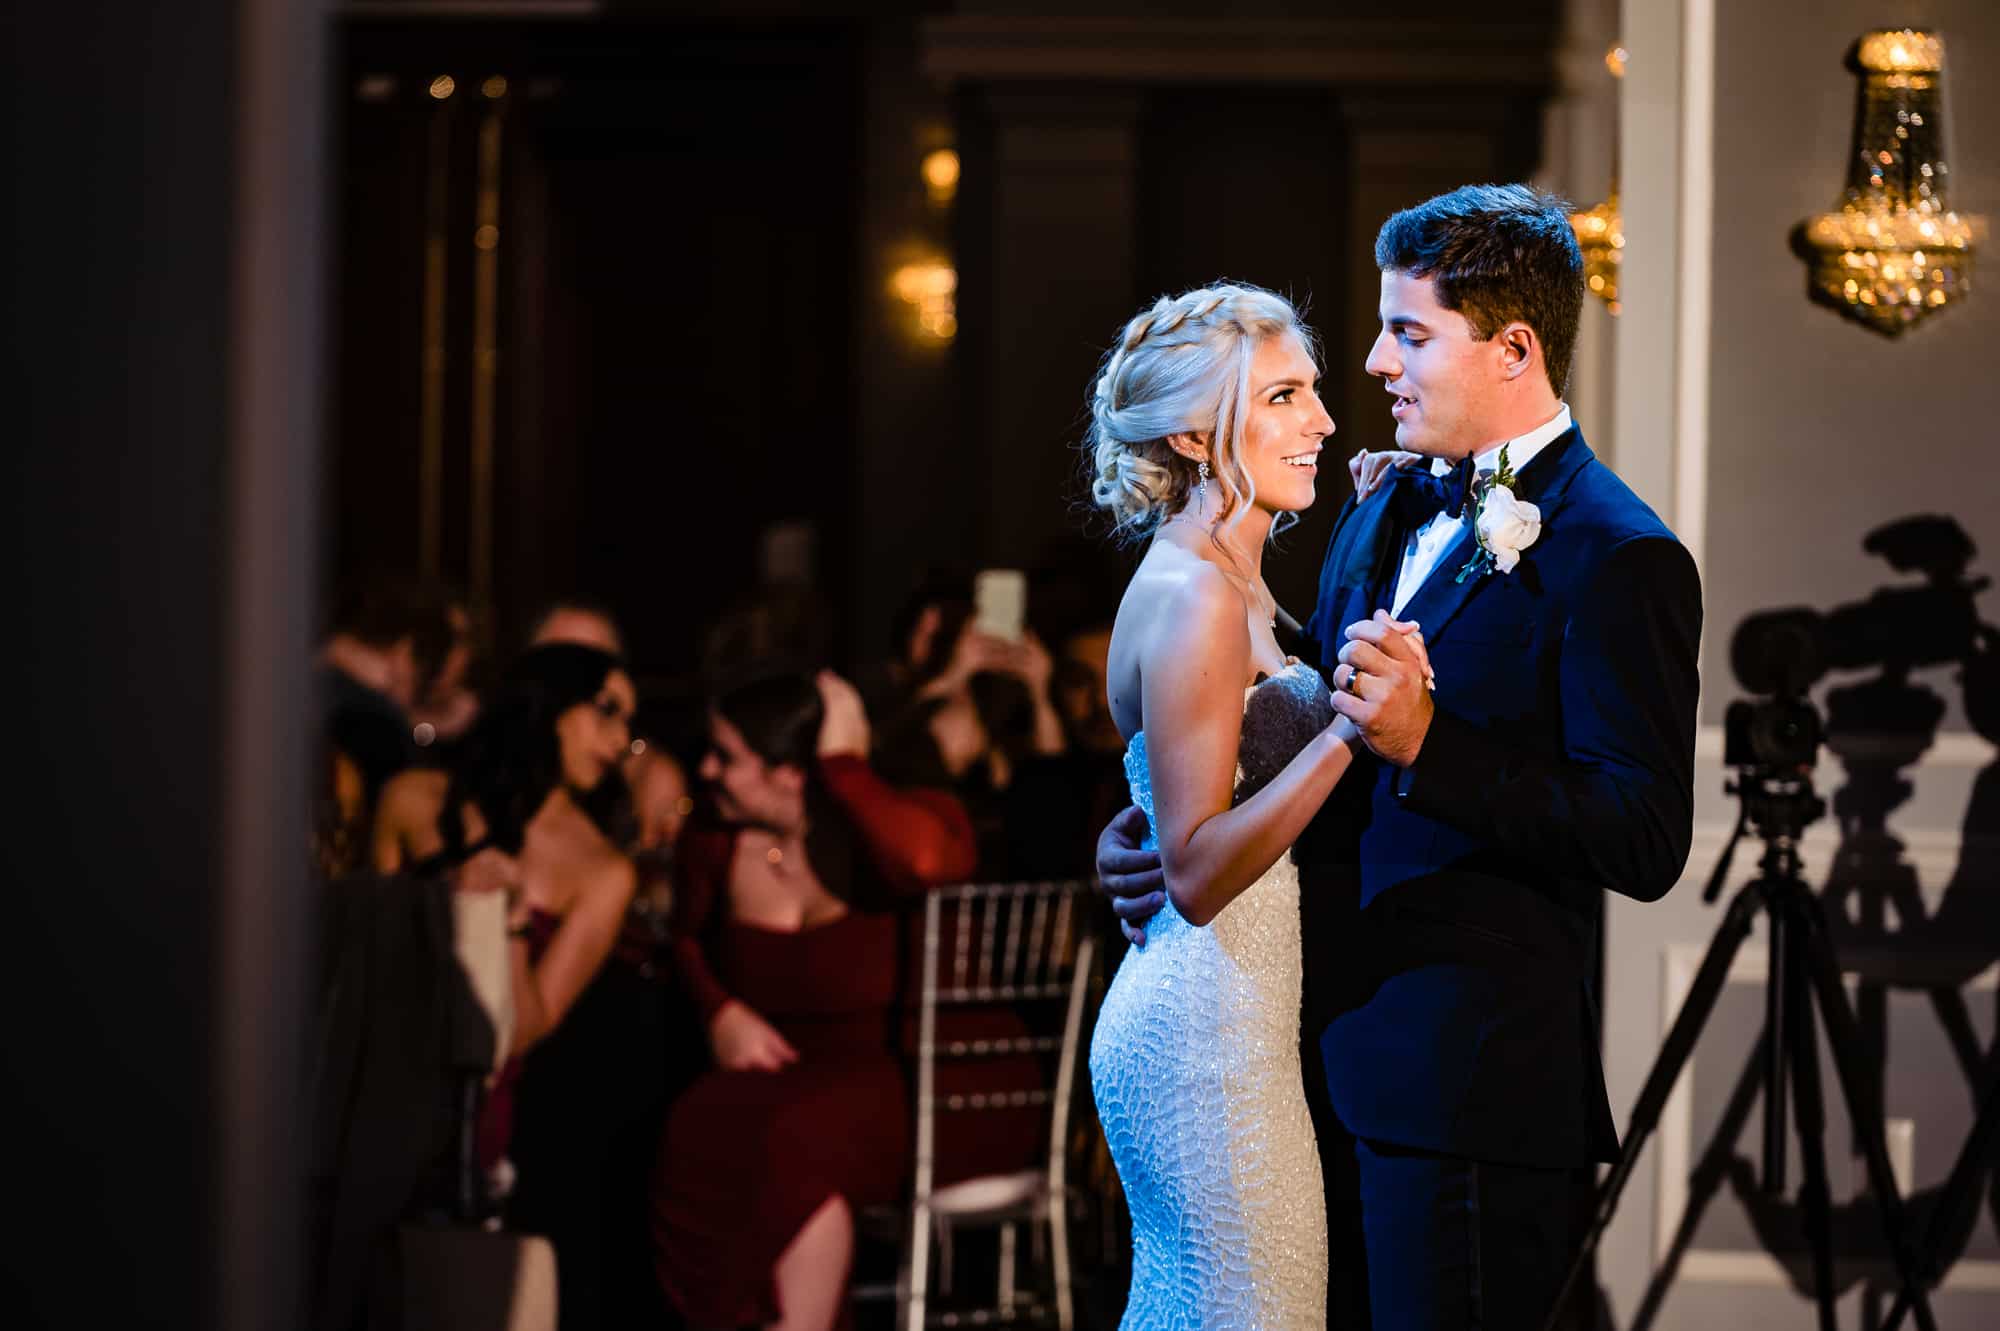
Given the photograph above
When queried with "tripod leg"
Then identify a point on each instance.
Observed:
(1859, 1090)
(1961, 1190)
(1674, 1054)
(1704, 1182)
(1809, 1108)
(1780, 991)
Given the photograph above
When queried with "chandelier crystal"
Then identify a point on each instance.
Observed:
(1600, 233)
(1600, 230)
(1893, 252)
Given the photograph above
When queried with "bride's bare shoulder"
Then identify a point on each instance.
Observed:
(1175, 599)
(1181, 615)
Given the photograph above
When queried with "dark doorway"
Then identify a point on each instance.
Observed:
(651, 230)
(1248, 185)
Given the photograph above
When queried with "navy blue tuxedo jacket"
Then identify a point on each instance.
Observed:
(1451, 908)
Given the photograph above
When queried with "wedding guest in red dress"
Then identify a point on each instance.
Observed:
(787, 953)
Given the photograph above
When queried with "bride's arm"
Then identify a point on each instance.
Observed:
(1191, 695)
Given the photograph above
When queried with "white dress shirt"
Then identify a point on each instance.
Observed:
(1432, 541)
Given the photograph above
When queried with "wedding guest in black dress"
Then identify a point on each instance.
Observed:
(593, 1094)
(549, 735)
(502, 820)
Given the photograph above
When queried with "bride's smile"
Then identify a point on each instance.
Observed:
(1286, 427)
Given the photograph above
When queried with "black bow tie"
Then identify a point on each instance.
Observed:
(1419, 496)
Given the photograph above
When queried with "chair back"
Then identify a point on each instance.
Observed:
(1015, 945)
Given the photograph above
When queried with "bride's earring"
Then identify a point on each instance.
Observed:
(1201, 483)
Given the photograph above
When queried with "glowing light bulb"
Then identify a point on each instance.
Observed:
(940, 171)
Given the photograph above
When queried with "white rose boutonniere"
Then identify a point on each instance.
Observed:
(1504, 527)
(1507, 526)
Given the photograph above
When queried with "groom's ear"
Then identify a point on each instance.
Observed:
(1520, 349)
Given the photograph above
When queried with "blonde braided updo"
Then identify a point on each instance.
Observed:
(1182, 367)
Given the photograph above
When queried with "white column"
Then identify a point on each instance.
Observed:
(1661, 437)
(1666, 140)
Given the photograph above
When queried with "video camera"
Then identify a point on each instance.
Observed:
(1772, 741)
(1780, 654)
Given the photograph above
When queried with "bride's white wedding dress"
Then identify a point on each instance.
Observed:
(1195, 1067)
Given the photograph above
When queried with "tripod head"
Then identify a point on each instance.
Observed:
(1773, 745)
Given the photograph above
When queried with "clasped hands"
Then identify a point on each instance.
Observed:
(1382, 681)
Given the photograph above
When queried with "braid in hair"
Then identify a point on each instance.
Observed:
(1180, 367)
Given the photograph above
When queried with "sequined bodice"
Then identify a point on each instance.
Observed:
(1281, 714)
(1195, 1066)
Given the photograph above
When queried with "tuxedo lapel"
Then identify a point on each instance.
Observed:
(1542, 483)
(1379, 587)
(1363, 551)
(1374, 544)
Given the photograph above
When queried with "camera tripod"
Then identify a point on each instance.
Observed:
(1802, 970)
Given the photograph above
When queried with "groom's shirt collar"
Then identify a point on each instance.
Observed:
(1521, 451)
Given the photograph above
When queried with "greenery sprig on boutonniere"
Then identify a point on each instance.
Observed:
(1504, 525)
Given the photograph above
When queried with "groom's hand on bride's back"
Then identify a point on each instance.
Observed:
(1129, 877)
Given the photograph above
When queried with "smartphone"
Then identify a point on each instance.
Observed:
(1000, 602)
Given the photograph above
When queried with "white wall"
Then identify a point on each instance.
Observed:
(1773, 435)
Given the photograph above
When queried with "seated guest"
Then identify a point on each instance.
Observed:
(593, 1094)
(386, 646)
(406, 826)
(448, 706)
(552, 730)
(921, 638)
(765, 1160)
(985, 725)
(1058, 802)
(660, 798)
(588, 624)
(385, 650)
(1082, 694)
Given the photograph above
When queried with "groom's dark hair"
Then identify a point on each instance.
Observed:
(1497, 253)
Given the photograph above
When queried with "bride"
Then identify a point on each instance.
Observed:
(1206, 434)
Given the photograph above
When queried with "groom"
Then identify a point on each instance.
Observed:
(1451, 885)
